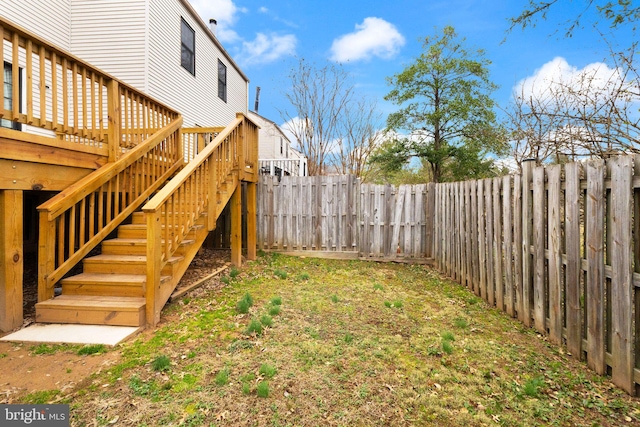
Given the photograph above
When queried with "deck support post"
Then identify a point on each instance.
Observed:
(236, 226)
(11, 259)
(251, 220)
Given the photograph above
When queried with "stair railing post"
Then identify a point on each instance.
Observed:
(252, 212)
(115, 119)
(46, 255)
(154, 264)
(236, 226)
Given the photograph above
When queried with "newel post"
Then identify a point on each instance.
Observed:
(154, 265)
(115, 119)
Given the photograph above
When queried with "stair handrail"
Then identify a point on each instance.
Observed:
(76, 220)
(190, 194)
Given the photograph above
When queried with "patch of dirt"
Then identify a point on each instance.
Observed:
(23, 372)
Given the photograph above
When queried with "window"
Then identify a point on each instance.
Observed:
(281, 145)
(222, 81)
(8, 100)
(188, 58)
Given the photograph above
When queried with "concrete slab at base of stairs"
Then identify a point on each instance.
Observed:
(73, 334)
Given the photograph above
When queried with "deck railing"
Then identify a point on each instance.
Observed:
(217, 168)
(283, 167)
(71, 99)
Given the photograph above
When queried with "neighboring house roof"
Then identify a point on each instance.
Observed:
(213, 38)
(274, 124)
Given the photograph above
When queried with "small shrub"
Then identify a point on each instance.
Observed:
(266, 320)
(274, 310)
(242, 307)
(377, 287)
(304, 276)
(246, 388)
(3, 355)
(532, 387)
(398, 304)
(255, 327)
(91, 349)
(276, 301)
(244, 304)
(334, 298)
(461, 323)
(448, 336)
(161, 364)
(281, 274)
(447, 347)
(262, 390)
(261, 253)
(348, 338)
(267, 370)
(234, 272)
(240, 345)
(222, 377)
(387, 304)
(44, 349)
(225, 280)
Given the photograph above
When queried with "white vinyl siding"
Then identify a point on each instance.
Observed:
(111, 35)
(270, 136)
(49, 19)
(196, 97)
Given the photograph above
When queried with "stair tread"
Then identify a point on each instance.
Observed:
(92, 302)
(131, 241)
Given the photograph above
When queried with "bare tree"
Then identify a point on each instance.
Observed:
(361, 136)
(319, 97)
(595, 114)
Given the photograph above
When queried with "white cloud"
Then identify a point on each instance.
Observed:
(556, 74)
(266, 48)
(374, 37)
(263, 9)
(225, 12)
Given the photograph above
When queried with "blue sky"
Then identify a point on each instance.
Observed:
(376, 39)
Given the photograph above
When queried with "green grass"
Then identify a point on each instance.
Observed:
(267, 370)
(274, 310)
(444, 357)
(92, 349)
(222, 377)
(234, 272)
(254, 327)
(262, 389)
(243, 305)
(276, 301)
(280, 274)
(334, 298)
(266, 320)
(161, 364)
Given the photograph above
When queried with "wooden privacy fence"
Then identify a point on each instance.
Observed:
(341, 214)
(558, 247)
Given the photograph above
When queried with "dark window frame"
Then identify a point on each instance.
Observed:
(10, 124)
(222, 81)
(187, 47)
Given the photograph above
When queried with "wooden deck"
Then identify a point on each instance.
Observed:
(112, 159)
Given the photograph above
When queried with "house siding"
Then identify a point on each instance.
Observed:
(111, 35)
(196, 97)
(48, 20)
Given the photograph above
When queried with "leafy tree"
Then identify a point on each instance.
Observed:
(446, 112)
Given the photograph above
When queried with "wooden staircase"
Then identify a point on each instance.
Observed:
(111, 288)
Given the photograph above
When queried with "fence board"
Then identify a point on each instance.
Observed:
(621, 278)
(539, 315)
(517, 248)
(482, 258)
(489, 240)
(572, 268)
(554, 236)
(527, 226)
(594, 218)
(507, 245)
(497, 244)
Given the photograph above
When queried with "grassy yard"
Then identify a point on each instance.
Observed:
(291, 341)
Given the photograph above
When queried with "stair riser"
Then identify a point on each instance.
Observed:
(139, 219)
(115, 248)
(91, 317)
(124, 268)
(133, 233)
(114, 290)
